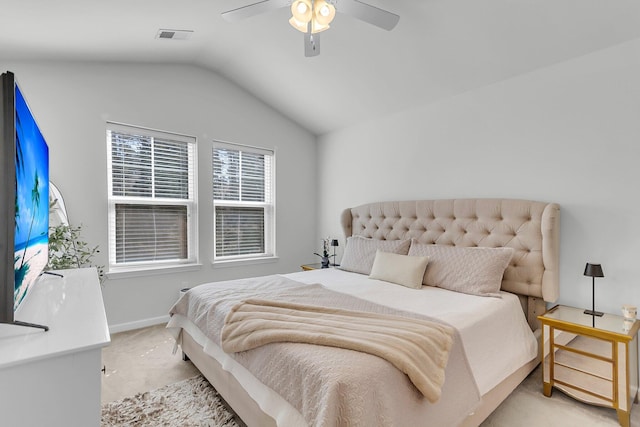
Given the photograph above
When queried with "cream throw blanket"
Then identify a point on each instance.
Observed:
(417, 347)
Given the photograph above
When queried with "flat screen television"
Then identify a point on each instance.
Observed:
(24, 198)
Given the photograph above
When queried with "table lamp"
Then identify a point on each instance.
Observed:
(334, 243)
(593, 271)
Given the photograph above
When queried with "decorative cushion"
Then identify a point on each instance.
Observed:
(360, 252)
(402, 270)
(470, 270)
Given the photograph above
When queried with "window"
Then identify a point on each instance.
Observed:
(243, 201)
(152, 202)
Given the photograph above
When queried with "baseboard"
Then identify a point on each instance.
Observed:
(129, 326)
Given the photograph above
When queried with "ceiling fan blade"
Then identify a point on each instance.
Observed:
(311, 44)
(367, 13)
(248, 11)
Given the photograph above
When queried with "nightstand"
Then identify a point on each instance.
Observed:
(594, 360)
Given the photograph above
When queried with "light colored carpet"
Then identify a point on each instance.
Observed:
(142, 360)
(528, 407)
(195, 403)
(188, 403)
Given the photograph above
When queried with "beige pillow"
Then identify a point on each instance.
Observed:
(476, 271)
(402, 270)
(360, 252)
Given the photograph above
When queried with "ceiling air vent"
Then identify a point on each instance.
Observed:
(174, 34)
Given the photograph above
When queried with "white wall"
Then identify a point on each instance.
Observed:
(569, 134)
(71, 103)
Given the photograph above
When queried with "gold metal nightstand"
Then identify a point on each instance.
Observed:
(594, 364)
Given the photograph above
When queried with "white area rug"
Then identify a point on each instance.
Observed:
(189, 403)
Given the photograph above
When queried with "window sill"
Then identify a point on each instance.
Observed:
(125, 273)
(241, 262)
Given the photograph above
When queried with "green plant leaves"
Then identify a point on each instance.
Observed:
(68, 250)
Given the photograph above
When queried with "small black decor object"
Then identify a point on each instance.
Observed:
(593, 271)
(325, 253)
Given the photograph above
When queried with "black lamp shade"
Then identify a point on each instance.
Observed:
(593, 270)
(334, 242)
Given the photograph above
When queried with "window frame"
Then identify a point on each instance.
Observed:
(191, 203)
(269, 208)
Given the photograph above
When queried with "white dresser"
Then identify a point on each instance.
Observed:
(53, 378)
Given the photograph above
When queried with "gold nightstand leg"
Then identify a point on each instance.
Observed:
(624, 418)
(546, 389)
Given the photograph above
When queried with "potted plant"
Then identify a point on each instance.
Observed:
(325, 253)
(68, 250)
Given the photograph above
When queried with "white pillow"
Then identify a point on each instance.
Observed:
(402, 270)
(360, 252)
(470, 270)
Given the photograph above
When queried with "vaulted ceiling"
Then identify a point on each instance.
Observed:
(439, 48)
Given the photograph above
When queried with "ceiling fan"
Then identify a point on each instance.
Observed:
(314, 16)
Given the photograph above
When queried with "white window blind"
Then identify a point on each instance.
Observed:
(151, 197)
(243, 199)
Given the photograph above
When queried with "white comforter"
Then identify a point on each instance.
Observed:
(495, 334)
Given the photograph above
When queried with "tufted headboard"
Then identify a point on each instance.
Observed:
(530, 228)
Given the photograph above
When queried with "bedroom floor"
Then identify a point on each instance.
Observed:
(142, 360)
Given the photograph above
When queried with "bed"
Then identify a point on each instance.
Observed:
(495, 330)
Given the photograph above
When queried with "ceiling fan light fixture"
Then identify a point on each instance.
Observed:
(314, 16)
(323, 13)
(302, 10)
(318, 12)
